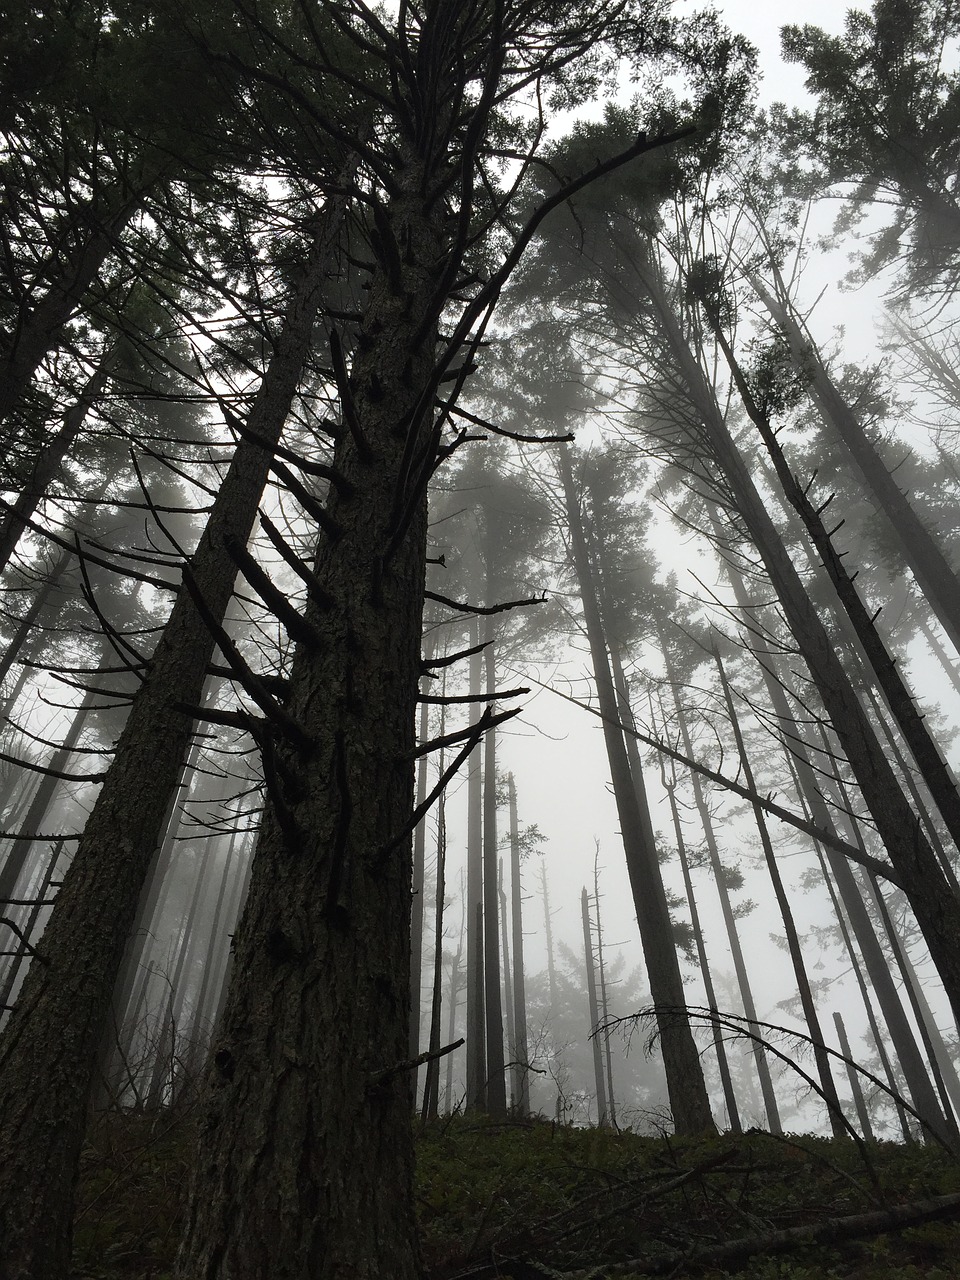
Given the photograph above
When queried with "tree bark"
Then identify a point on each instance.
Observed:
(307, 1116)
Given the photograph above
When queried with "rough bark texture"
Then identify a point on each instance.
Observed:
(49, 1048)
(305, 1162)
(688, 1094)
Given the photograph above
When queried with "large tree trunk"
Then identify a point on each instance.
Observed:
(49, 1048)
(688, 1094)
(305, 1161)
(935, 905)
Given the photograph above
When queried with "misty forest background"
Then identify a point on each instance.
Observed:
(692, 621)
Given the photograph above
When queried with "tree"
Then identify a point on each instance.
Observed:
(688, 1095)
(308, 1110)
(885, 124)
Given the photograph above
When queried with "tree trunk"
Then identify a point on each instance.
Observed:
(811, 1017)
(729, 920)
(38, 328)
(920, 550)
(866, 1129)
(594, 1008)
(936, 906)
(48, 462)
(50, 1044)
(911, 722)
(476, 1016)
(726, 1081)
(688, 1095)
(521, 1069)
(307, 1116)
(496, 1092)
(917, 1079)
(416, 913)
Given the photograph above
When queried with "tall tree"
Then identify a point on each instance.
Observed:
(308, 1109)
(688, 1095)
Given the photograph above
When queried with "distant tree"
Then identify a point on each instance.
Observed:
(884, 130)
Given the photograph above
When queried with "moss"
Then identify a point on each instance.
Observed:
(568, 1200)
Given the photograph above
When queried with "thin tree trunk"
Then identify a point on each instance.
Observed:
(726, 1080)
(602, 993)
(920, 1089)
(548, 933)
(857, 967)
(416, 914)
(853, 1078)
(594, 1007)
(811, 1017)
(48, 462)
(431, 1084)
(729, 920)
(922, 553)
(912, 724)
(496, 1091)
(476, 1017)
(455, 967)
(37, 329)
(507, 977)
(936, 906)
(521, 1071)
(685, 1085)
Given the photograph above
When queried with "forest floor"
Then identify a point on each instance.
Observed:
(534, 1201)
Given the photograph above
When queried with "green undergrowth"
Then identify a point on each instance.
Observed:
(531, 1200)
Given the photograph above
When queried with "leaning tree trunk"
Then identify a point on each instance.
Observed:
(38, 328)
(811, 1017)
(911, 722)
(685, 1085)
(729, 918)
(913, 862)
(919, 548)
(48, 461)
(49, 1048)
